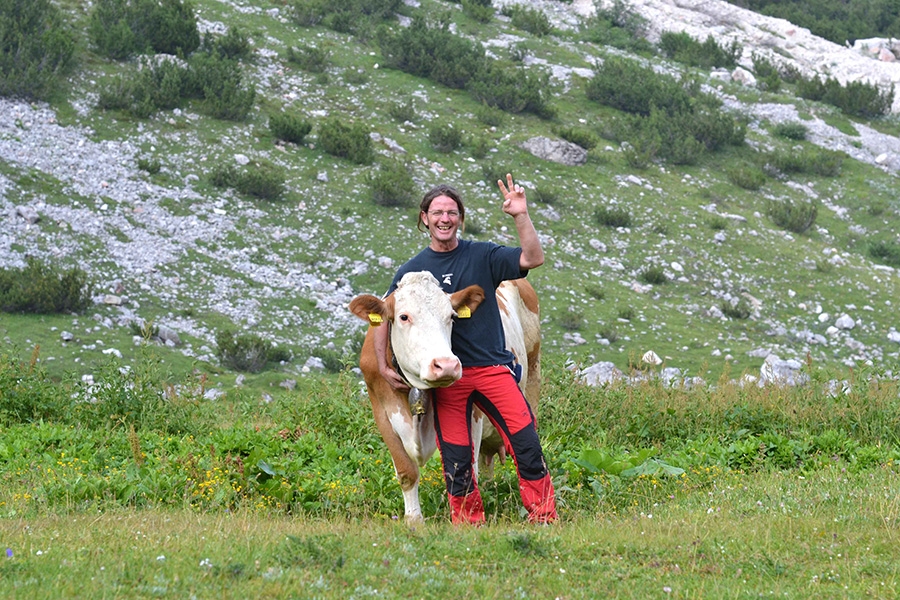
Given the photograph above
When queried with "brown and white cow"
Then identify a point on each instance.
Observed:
(420, 315)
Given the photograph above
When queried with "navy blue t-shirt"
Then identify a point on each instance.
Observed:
(478, 341)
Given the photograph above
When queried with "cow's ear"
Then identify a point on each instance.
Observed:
(372, 308)
(469, 297)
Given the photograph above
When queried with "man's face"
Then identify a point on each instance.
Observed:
(442, 219)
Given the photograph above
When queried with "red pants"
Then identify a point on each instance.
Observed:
(494, 391)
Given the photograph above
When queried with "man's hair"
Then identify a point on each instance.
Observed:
(440, 190)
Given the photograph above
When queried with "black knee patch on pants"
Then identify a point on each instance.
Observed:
(457, 461)
(528, 454)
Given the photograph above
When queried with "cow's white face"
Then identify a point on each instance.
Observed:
(420, 336)
(422, 314)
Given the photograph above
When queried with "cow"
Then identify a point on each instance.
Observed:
(420, 315)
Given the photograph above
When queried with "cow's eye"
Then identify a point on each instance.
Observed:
(404, 317)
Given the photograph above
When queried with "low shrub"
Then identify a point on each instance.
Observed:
(119, 29)
(445, 138)
(613, 217)
(36, 48)
(346, 140)
(618, 25)
(261, 179)
(736, 308)
(150, 165)
(795, 216)
(480, 147)
(885, 252)
(480, 10)
(392, 185)
(571, 320)
(579, 136)
(42, 289)
(513, 89)
(545, 194)
(626, 313)
(529, 19)
(682, 47)
(595, 291)
(246, 352)
(489, 115)
(717, 223)
(814, 161)
(311, 59)
(289, 127)
(767, 76)
(746, 176)
(856, 98)
(233, 45)
(654, 275)
(791, 130)
(403, 111)
(494, 172)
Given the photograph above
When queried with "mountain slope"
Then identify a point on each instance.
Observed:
(197, 259)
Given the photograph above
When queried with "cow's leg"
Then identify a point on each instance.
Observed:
(477, 431)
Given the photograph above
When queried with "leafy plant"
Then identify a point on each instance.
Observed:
(654, 275)
(246, 352)
(795, 216)
(791, 130)
(445, 138)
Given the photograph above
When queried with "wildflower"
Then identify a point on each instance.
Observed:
(9, 553)
(206, 564)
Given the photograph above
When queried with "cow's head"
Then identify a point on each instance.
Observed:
(421, 317)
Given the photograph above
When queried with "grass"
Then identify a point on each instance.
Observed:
(761, 537)
(775, 491)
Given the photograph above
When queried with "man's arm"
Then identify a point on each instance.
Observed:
(515, 205)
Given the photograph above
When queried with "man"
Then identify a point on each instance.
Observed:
(478, 341)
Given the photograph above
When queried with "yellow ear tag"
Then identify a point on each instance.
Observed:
(464, 312)
(375, 319)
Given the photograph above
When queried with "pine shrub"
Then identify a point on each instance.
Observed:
(746, 176)
(403, 111)
(289, 127)
(682, 47)
(579, 136)
(346, 140)
(36, 48)
(791, 130)
(654, 275)
(529, 19)
(246, 352)
(885, 252)
(796, 216)
(613, 217)
(445, 138)
(311, 59)
(42, 289)
(480, 10)
(392, 185)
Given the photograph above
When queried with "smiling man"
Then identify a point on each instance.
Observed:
(488, 368)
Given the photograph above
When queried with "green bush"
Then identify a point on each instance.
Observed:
(234, 45)
(480, 10)
(346, 140)
(793, 131)
(247, 352)
(685, 49)
(737, 309)
(261, 179)
(120, 28)
(392, 185)
(545, 194)
(814, 161)
(42, 289)
(654, 275)
(856, 98)
(528, 19)
(492, 173)
(513, 89)
(431, 52)
(150, 165)
(445, 138)
(885, 252)
(613, 217)
(571, 320)
(345, 16)
(618, 25)
(312, 59)
(767, 76)
(36, 48)
(796, 216)
(579, 136)
(626, 85)
(480, 147)
(746, 176)
(289, 127)
(403, 111)
(489, 115)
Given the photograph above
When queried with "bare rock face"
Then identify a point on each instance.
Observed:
(558, 151)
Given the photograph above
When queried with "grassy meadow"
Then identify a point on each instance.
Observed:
(134, 486)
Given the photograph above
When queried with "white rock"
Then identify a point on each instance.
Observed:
(845, 322)
(651, 358)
